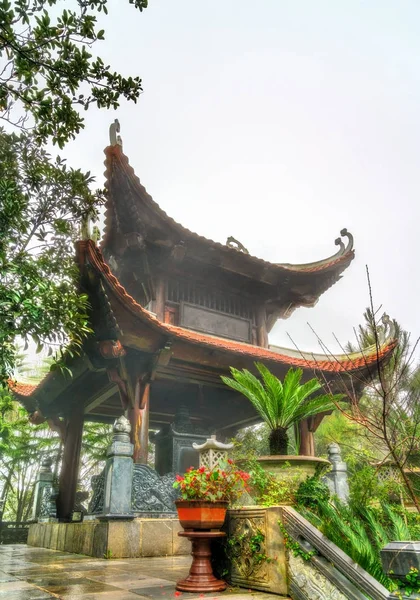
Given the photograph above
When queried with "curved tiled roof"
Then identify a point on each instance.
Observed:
(116, 160)
(349, 363)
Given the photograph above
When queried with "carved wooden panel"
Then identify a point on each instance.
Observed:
(213, 322)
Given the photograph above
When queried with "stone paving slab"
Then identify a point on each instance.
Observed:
(28, 573)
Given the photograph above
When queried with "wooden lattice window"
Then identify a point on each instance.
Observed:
(179, 291)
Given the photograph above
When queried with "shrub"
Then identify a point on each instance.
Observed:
(312, 492)
(222, 483)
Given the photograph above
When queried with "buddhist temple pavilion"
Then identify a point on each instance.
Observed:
(171, 311)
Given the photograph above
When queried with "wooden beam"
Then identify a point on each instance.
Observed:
(115, 378)
(101, 397)
(242, 423)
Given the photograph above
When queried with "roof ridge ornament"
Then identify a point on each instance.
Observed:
(339, 242)
(232, 242)
(114, 130)
(89, 231)
(343, 250)
(349, 236)
(390, 332)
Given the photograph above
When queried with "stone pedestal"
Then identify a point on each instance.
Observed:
(119, 474)
(44, 480)
(336, 479)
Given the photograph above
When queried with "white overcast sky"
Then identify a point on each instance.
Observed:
(280, 122)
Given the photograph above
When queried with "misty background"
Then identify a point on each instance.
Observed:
(279, 122)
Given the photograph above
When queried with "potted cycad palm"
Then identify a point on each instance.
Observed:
(282, 405)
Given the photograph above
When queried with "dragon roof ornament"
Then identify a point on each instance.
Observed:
(344, 250)
(114, 137)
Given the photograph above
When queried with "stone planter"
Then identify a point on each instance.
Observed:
(399, 557)
(299, 467)
(201, 514)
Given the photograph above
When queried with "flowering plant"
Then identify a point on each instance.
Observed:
(222, 483)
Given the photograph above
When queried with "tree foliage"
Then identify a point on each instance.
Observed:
(48, 71)
(22, 448)
(389, 410)
(42, 203)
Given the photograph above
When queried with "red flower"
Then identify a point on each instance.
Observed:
(230, 461)
(177, 594)
(179, 478)
(201, 469)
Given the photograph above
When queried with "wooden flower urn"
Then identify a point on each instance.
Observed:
(201, 514)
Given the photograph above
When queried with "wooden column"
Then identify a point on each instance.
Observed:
(307, 444)
(70, 464)
(144, 431)
(160, 298)
(138, 415)
(261, 322)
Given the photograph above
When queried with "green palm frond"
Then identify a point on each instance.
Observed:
(316, 405)
(281, 404)
(274, 390)
(377, 531)
(400, 531)
(248, 385)
(345, 528)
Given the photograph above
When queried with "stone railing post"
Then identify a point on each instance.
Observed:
(119, 474)
(44, 479)
(337, 479)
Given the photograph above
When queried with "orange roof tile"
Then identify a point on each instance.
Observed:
(22, 389)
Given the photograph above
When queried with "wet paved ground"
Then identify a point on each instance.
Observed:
(37, 574)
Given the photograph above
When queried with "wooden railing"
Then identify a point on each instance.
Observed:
(321, 569)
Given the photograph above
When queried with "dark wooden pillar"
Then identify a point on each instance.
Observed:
(134, 416)
(307, 444)
(261, 322)
(70, 464)
(138, 415)
(144, 431)
(160, 299)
